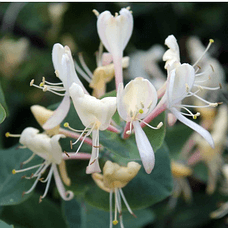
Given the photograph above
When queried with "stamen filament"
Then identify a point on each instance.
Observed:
(87, 70)
(23, 170)
(28, 160)
(126, 203)
(34, 184)
(110, 207)
(72, 129)
(208, 46)
(48, 183)
(7, 134)
(155, 128)
(81, 72)
(208, 88)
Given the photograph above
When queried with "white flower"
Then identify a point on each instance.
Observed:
(134, 103)
(48, 149)
(65, 71)
(95, 114)
(115, 32)
(114, 178)
(182, 79)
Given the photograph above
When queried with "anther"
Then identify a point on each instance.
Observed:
(66, 124)
(140, 111)
(128, 132)
(211, 41)
(45, 88)
(213, 104)
(57, 73)
(114, 222)
(220, 85)
(160, 125)
(142, 105)
(13, 171)
(128, 8)
(23, 193)
(116, 14)
(149, 105)
(40, 200)
(67, 153)
(32, 82)
(71, 145)
(212, 68)
(187, 88)
(96, 12)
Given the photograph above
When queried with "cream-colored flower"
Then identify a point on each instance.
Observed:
(95, 114)
(114, 178)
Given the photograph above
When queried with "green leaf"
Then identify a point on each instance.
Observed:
(2, 114)
(4, 225)
(197, 213)
(82, 215)
(33, 214)
(144, 190)
(3, 104)
(12, 186)
(176, 137)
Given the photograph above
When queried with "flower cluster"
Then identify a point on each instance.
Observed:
(137, 103)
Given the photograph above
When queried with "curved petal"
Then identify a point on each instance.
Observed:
(204, 133)
(66, 195)
(145, 149)
(59, 114)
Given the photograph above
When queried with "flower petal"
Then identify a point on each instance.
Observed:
(204, 133)
(66, 195)
(145, 149)
(59, 114)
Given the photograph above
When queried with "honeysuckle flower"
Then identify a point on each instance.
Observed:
(115, 32)
(95, 114)
(180, 172)
(48, 149)
(114, 178)
(182, 79)
(213, 157)
(134, 103)
(64, 70)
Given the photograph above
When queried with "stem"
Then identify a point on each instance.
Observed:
(113, 129)
(117, 60)
(79, 156)
(196, 157)
(74, 135)
(162, 90)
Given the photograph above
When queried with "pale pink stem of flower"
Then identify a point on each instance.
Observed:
(74, 135)
(118, 70)
(195, 158)
(162, 90)
(79, 156)
(113, 129)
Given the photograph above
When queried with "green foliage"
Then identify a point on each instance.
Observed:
(34, 214)
(81, 215)
(12, 185)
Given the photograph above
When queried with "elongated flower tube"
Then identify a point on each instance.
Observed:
(48, 149)
(64, 70)
(115, 32)
(96, 115)
(134, 103)
(114, 178)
